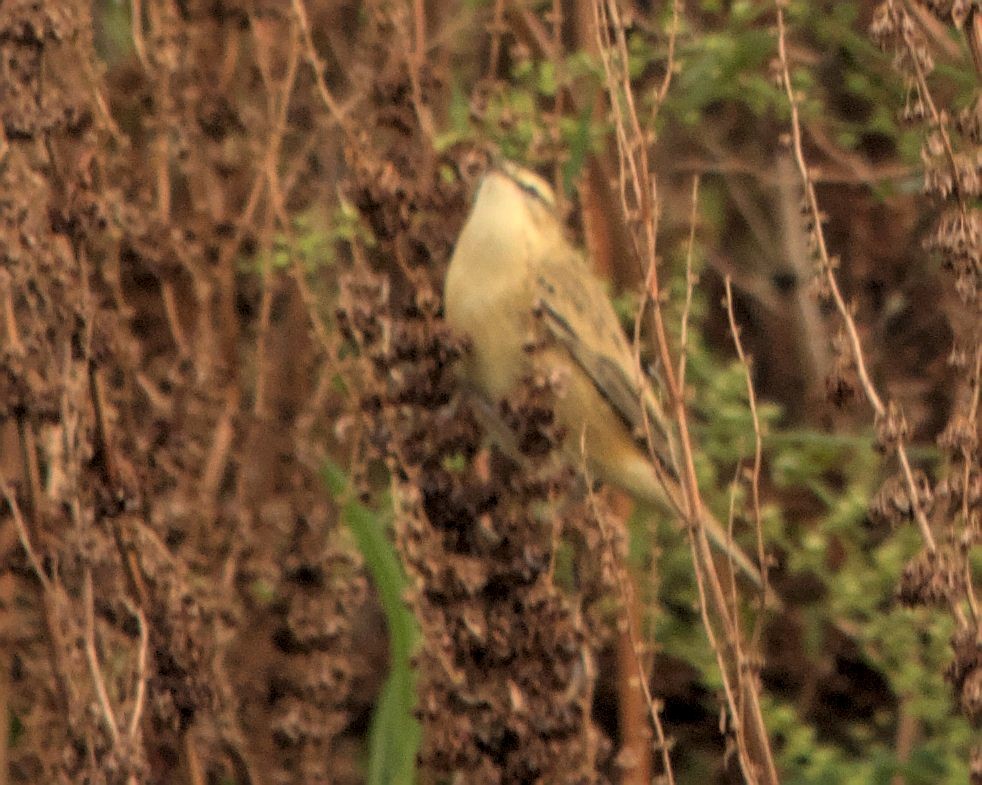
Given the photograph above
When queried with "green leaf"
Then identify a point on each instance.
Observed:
(395, 734)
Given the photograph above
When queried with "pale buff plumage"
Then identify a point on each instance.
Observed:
(513, 265)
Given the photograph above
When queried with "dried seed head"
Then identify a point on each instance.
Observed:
(840, 388)
(883, 27)
(893, 503)
(960, 438)
(932, 578)
(529, 413)
(914, 110)
(891, 428)
(969, 121)
(967, 660)
(971, 696)
(958, 357)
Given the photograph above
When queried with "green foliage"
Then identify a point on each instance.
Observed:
(909, 649)
(849, 94)
(724, 66)
(313, 241)
(838, 474)
(114, 39)
(395, 732)
(520, 120)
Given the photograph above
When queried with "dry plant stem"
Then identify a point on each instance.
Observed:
(531, 30)
(758, 441)
(496, 28)
(5, 712)
(828, 271)
(626, 592)
(973, 412)
(908, 729)
(626, 150)
(732, 702)
(173, 319)
(194, 770)
(139, 700)
(940, 34)
(12, 335)
(278, 108)
(23, 534)
(338, 113)
(690, 283)
(136, 33)
(556, 16)
(638, 188)
(224, 430)
(49, 591)
(666, 81)
(419, 30)
(936, 118)
(806, 318)
(633, 710)
(92, 656)
(414, 59)
(278, 186)
(881, 173)
(730, 518)
(32, 469)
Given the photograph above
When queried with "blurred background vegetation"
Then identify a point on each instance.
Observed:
(233, 451)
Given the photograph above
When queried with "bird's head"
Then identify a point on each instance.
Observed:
(511, 195)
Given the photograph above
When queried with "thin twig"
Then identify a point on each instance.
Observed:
(640, 203)
(936, 118)
(338, 112)
(666, 82)
(828, 271)
(626, 591)
(758, 441)
(136, 33)
(690, 281)
(12, 334)
(415, 58)
(92, 657)
(278, 106)
(173, 315)
(139, 700)
(496, 28)
(23, 533)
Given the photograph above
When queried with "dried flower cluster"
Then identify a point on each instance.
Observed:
(506, 667)
(187, 595)
(952, 157)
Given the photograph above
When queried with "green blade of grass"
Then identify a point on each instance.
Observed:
(395, 733)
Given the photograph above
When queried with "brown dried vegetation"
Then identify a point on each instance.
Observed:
(151, 413)
(179, 599)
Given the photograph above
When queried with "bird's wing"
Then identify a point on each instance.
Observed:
(577, 313)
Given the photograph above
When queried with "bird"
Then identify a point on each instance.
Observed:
(514, 272)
